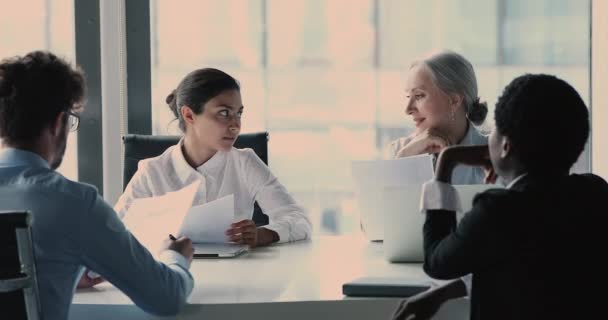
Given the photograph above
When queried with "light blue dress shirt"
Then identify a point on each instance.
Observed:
(468, 174)
(73, 228)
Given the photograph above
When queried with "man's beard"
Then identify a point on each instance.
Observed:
(60, 152)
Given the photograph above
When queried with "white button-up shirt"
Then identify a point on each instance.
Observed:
(239, 171)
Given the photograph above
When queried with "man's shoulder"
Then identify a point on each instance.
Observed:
(496, 193)
(54, 182)
(589, 180)
(499, 199)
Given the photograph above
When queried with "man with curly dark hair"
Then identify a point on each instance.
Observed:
(531, 246)
(41, 96)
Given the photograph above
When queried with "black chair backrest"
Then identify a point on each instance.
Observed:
(139, 147)
(18, 284)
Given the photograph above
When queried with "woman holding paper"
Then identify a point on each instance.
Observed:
(441, 98)
(208, 105)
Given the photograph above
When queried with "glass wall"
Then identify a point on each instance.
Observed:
(324, 77)
(29, 25)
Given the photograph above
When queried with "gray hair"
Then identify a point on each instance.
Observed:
(452, 73)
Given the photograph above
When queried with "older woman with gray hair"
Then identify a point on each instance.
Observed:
(442, 100)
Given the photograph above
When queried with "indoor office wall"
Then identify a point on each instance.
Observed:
(324, 77)
(28, 25)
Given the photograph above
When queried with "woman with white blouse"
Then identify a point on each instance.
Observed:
(208, 105)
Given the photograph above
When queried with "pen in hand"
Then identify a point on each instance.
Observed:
(182, 246)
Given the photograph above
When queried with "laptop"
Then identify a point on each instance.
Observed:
(372, 223)
(372, 176)
(403, 220)
(218, 250)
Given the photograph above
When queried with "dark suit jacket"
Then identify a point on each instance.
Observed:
(536, 251)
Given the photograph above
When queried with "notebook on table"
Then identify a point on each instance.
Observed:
(385, 287)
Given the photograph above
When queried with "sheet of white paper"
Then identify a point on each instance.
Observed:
(208, 222)
(151, 220)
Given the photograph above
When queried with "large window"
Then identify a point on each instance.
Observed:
(324, 76)
(29, 25)
(197, 34)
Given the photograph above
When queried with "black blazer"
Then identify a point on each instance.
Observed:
(536, 251)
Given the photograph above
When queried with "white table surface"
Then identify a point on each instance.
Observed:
(301, 271)
(305, 271)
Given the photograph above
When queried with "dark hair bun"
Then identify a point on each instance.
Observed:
(477, 112)
(197, 88)
(171, 100)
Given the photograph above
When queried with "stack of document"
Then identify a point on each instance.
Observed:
(151, 220)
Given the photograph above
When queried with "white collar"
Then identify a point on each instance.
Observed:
(184, 170)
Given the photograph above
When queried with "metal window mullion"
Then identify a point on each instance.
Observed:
(88, 57)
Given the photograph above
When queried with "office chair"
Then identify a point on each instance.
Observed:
(138, 147)
(18, 283)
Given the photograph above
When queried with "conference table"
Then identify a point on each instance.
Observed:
(299, 280)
